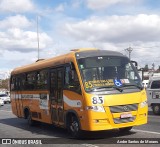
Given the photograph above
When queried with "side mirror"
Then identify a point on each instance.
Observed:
(72, 66)
(135, 64)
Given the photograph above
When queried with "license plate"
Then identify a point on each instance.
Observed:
(126, 115)
(156, 95)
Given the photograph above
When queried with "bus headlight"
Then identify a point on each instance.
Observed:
(143, 104)
(96, 108)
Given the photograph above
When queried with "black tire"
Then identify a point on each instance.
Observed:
(156, 109)
(29, 120)
(73, 126)
(127, 129)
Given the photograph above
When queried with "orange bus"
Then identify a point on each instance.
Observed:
(87, 89)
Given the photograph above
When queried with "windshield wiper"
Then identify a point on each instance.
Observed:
(117, 88)
(101, 87)
(128, 85)
(104, 87)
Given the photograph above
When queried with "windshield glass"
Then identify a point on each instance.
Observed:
(108, 72)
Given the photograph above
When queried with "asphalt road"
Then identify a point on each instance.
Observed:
(14, 128)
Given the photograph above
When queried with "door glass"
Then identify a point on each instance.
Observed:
(53, 86)
(71, 80)
(60, 86)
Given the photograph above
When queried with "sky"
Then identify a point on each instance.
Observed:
(68, 24)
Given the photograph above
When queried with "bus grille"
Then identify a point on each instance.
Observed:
(123, 120)
(123, 108)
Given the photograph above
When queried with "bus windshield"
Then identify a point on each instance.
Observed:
(108, 72)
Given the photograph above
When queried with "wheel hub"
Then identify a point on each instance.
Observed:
(74, 126)
(156, 108)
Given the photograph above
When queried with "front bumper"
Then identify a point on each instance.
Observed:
(103, 121)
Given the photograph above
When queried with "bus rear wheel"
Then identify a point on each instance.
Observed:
(29, 120)
(156, 109)
(74, 126)
(127, 129)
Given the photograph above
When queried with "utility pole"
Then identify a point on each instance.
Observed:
(0, 82)
(129, 50)
(38, 37)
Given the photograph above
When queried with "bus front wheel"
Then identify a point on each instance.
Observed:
(74, 126)
(156, 109)
(127, 129)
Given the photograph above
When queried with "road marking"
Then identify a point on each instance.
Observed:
(158, 133)
(153, 116)
(5, 111)
(89, 145)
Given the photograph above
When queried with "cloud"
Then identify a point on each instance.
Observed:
(16, 35)
(16, 39)
(117, 33)
(17, 21)
(76, 3)
(15, 59)
(60, 8)
(102, 4)
(115, 28)
(16, 6)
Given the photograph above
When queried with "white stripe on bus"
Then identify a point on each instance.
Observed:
(72, 103)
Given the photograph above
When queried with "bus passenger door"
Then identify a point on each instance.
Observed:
(56, 95)
(60, 108)
(53, 95)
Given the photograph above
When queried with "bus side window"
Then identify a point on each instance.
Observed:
(42, 77)
(71, 80)
(12, 83)
(30, 81)
(16, 83)
(23, 81)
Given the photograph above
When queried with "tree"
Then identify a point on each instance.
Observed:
(153, 66)
(146, 67)
(4, 84)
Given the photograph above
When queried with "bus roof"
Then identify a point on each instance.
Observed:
(62, 59)
(93, 53)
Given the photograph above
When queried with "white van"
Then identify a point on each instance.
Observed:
(153, 94)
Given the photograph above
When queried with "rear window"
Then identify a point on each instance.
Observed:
(3, 95)
(155, 85)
